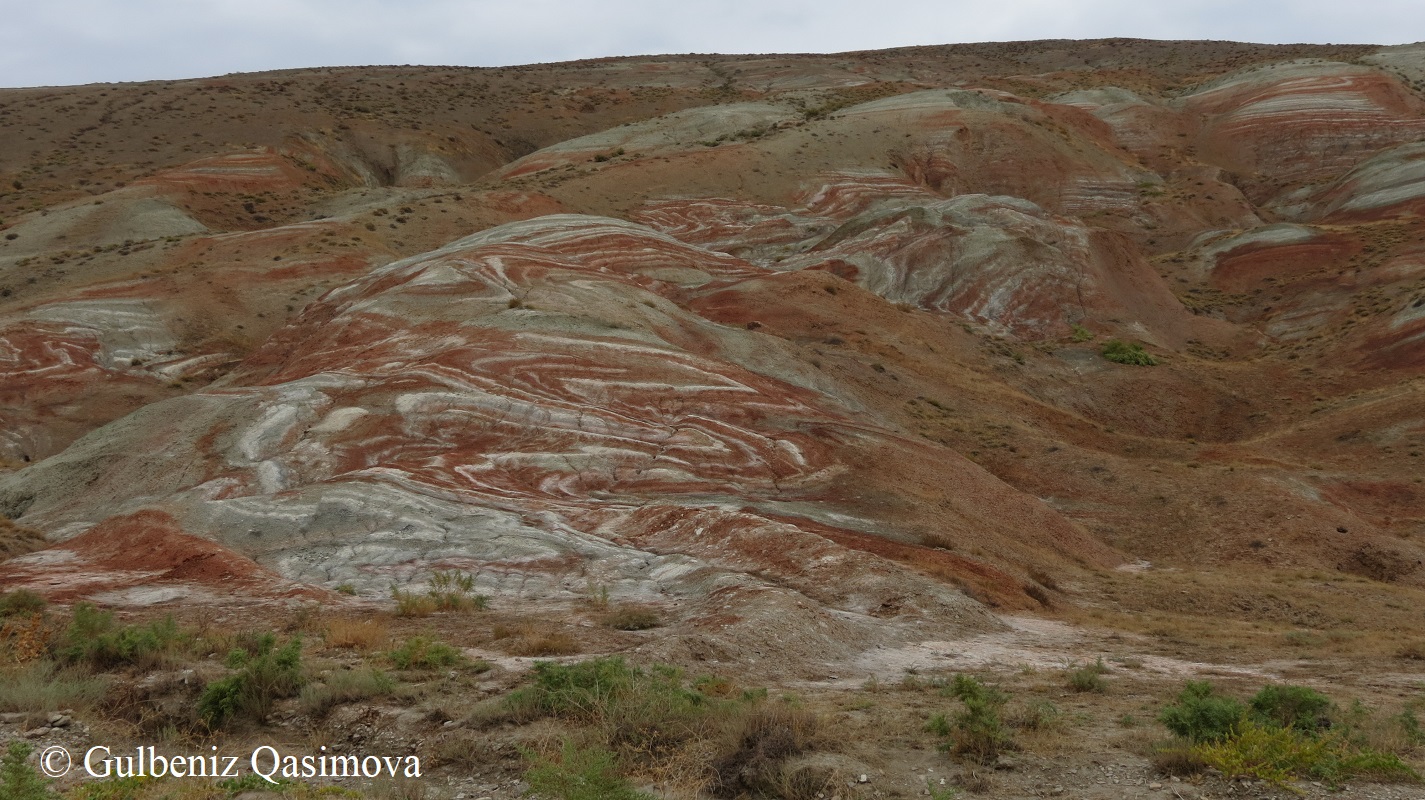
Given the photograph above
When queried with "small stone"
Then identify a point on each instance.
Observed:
(1155, 785)
(864, 778)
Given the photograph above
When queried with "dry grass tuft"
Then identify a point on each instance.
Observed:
(17, 539)
(529, 641)
(358, 634)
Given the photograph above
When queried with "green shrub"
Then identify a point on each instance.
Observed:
(1130, 353)
(94, 639)
(18, 780)
(1201, 715)
(21, 602)
(978, 731)
(1296, 707)
(1080, 334)
(264, 674)
(420, 652)
(579, 773)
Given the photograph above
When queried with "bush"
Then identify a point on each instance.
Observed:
(978, 731)
(1296, 707)
(265, 673)
(579, 773)
(420, 652)
(21, 602)
(1130, 353)
(1201, 715)
(18, 780)
(94, 639)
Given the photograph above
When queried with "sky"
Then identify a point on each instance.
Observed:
(60, 42)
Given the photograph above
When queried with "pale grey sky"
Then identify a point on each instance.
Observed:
(49, 42)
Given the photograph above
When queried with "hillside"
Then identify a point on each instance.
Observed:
(805, 353)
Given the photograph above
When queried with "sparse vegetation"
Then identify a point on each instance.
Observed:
(95, 640)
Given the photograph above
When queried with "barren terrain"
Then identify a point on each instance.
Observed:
(835, 376)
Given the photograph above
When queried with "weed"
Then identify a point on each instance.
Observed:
(454, 591)
(1130, 353)
(1277, 755)
(1080, 334)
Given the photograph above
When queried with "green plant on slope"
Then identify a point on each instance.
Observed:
(18, 780)
(1130, 353)
(264, 673)
(94, 639)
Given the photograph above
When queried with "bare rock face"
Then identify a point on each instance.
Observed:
(806, 351)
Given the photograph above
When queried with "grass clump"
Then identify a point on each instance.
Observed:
(1087, 678)
(345, 686)
(421, 652)
(42, 686)
(17, 539)
(1131, 353)
(18, 780)
(21, 602)
(448, 591)
(630, 617)
(263, 674)
(357, 634)
(95, 640)
(587, 772)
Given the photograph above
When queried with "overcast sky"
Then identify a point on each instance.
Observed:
(50, 42)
